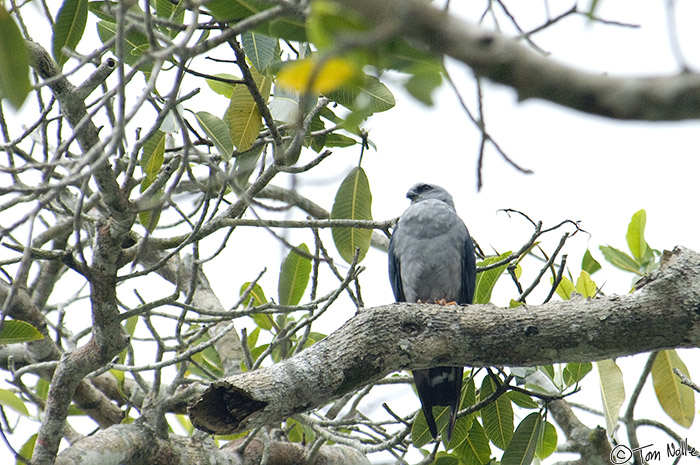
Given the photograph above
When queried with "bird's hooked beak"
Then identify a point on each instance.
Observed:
(412, 195)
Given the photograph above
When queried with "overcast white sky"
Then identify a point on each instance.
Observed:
(586, 168)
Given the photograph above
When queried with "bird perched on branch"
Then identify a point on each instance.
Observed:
(431, 260)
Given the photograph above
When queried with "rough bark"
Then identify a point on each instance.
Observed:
(137, 444)
(108, 336)
(664, 313)
(506, 61)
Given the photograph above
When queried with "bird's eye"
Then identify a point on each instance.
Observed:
(425, 188)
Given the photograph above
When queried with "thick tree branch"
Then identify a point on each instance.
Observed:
(108, 337)
(136, 443)
(385, 339)
(506, 61)
(591, 443)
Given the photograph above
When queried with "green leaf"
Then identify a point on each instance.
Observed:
(565, 288)
(152, 156)
(589, 264)
(253, 338)
(575, 372)
(317, 142)
(263, 320)
(223, 88)
(207, 359)
(245, 165)
(612, 391)
(521, 449)
(235, 10)
(298, 432)
(486, 280)
(444, 458)
(259, 48)
(585, 285)
(149, 218)
(172, 12)
(339, 140)
(15, 332)
(620, 259)
(130, 327)
(27, 449)
(371, 95)
(105, 10)
(256, 294)
(243, 116)
(635, 235)
(284, 107)
(69, 28)
(403, 57)
(313, 338)
(135, 43)
(353, 201)
(422, 83)
(9, 399)
(677, 400)
(294, 277)
(522, 400)
(327, 21)
(41, 388)
(225, 10)
(475, 450)
(328, 114)
(256, 352)
(288, 28)
(548, 441)
(14, 62)
(420, 434)
(217, 131)
(497, 416)
(463, 424)
(549, 371)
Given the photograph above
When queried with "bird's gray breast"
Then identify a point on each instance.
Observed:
(430, 249)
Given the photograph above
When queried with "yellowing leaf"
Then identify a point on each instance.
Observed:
(677, 400)
(565, 288)
(635, 235)
(585, 285)
(311, 75)
(243, 116)
(612, 391)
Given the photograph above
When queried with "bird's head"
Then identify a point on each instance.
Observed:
(423, 191)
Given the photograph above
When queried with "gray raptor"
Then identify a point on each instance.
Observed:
(431, 259)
